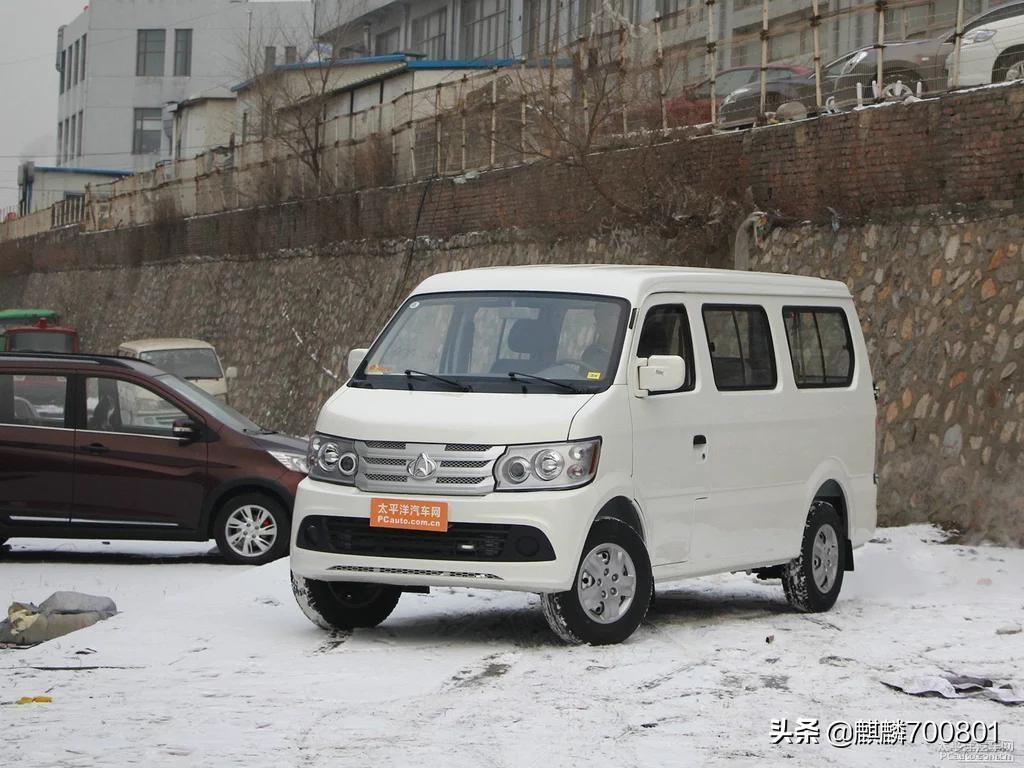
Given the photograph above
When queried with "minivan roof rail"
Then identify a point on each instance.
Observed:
(78, 357)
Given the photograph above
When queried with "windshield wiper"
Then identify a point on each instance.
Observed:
(530, 377)
(409, 373)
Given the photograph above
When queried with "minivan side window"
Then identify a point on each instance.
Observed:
(113, 405)
(742, 355)
(820, 346)
(32, 400)
(666, 331)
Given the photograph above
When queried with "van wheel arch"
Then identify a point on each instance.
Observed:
(625, 511)
(831, 492)
(1006, 59)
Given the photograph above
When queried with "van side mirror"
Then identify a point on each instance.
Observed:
(663, 373)
(185, 429)
(355, 359)
(231, 372)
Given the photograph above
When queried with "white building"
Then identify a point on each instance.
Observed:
(122, 62)
(202, 123)
(41, 186)
(480, 29)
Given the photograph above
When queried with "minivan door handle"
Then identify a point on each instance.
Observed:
(699, 441)
(95, 448)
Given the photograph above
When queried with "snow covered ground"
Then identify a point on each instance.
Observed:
(212, 665)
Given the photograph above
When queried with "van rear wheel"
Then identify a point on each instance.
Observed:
(344, 605)
(812, 581)
(612, 589)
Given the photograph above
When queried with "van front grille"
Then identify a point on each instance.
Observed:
(452, 468)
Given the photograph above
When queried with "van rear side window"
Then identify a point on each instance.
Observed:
(742, 356)
(820, 346)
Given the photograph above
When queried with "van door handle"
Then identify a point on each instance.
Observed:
(95, 448)
(699, 441)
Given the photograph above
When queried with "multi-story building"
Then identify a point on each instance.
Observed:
(475, 29)
(123, 62)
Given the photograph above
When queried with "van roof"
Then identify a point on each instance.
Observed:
(152, 345)
(631, 282)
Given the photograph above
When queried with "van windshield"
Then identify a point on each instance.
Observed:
(40, 341)
(201, 363)
(475, 340)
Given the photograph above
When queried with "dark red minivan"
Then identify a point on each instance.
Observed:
(114, 448)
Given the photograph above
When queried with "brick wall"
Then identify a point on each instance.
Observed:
(963, 148)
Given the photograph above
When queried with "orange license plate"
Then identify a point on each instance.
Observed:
(409, 514)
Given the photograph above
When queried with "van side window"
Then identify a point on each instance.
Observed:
(820, 346)
(742, 355)
(32, 400)
(112, 405)
(666, 331)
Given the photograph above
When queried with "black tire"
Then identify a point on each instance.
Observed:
(225, 528)
(798, 576)
(344, 605)
(1003, 64)
(566, 614)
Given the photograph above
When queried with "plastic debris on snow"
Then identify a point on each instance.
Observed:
(59, 614)
(959, 687)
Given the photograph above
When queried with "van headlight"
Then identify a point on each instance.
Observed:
(547, 466)
(332, 459)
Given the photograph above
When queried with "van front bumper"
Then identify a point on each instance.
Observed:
(563, 517)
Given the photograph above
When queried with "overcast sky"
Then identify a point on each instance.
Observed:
(28, 84)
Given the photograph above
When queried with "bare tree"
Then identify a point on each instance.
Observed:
(286, 103)
(602, 92)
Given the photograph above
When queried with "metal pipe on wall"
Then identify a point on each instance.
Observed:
(958, 43)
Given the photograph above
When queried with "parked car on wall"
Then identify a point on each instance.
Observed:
(191, 359)
(993, 48)
(693, 105)
(41, 337)
(585, 432)
(114, 448)
(908, 62)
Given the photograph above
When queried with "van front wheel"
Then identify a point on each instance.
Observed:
(813, 580)
(344, 605)
(612, 590)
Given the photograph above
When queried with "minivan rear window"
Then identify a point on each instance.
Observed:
(742, 355)
(820, 346)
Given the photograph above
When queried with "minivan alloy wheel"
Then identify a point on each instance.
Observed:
(607, 583)
(251, 530)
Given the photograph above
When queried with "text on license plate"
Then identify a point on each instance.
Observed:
(409, 514)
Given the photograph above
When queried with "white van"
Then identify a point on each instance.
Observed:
(189, 359)
(586, 432)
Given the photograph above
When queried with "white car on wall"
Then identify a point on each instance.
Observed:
(992, 49)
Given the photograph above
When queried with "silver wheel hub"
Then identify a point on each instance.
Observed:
(825, 558)
(607, 583)
(1016, 71)
(251, 530)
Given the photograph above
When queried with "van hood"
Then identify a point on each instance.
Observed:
(215, 387)
(493, 418)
